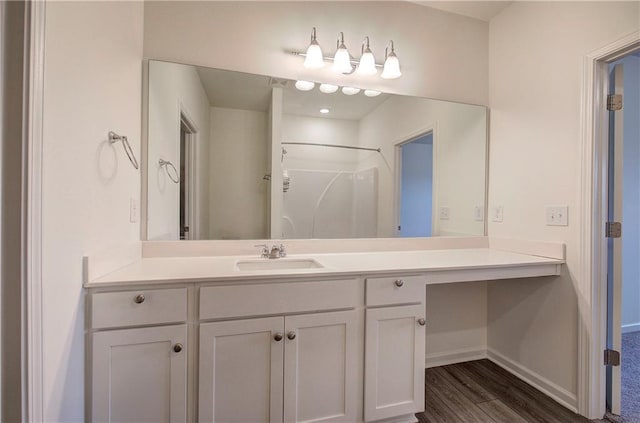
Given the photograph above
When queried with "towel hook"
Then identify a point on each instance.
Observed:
(113, 138)
(167, 164)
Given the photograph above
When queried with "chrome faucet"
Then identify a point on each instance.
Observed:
(275, 252)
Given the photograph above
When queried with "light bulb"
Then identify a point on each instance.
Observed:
(305, 85)
(314, 58)
(367, 64)
(372, 93)
(328, 88)
(350, 90)
(324, 111)
(391, 66)
(342, 59)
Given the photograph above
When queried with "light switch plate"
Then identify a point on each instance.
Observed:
(497, 214)
(134, 210)
(444, 213)
(557, 215)
(478, 213)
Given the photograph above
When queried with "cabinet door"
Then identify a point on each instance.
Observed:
(241, 371)
(320, 368)
(139, 375)
(394, 362)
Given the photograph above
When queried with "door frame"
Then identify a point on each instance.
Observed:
(192, 139)
(592, 206)
(397, 175)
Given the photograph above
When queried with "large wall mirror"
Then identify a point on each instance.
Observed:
(232, 155)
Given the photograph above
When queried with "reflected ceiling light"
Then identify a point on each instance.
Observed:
(328, 88)
(314, 58)
(342, 59)
(391, 64)
(350, 90)
(324, 111)
(367, 65)
(372, 93)
(305, 85)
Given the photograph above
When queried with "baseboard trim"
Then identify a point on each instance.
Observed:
(455, 356)
(554, 391)
(633, 327)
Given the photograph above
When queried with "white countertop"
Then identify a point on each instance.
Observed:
(452, 265)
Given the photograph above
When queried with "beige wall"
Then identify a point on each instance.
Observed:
(536, 52)
(442, 55)
(92, 85)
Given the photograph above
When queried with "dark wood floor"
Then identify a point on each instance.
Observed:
(481, 391)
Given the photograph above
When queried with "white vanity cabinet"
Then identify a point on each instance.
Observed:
(138, 374)
(394, 348)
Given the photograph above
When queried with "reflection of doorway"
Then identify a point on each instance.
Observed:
(415, 189)
(187, 181)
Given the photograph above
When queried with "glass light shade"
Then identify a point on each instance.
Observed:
(350, 90)
(372, 93)
(328, 88)
(391, 67)
(305, 85)
(342, 60)
(367, 64)
(314, 59)
(324, 111)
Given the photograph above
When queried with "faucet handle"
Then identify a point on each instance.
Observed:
(283, 251)
(265, 250)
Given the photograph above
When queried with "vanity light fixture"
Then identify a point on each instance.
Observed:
(324, 111)
(314, 58)
(342, 58)
(391, 64)
(350, 90)
(305, 85)
(328, 88)
(372, 93)
(367, 65)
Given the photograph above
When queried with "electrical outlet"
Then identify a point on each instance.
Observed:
(134, 210)
(478, 213)
(444, 213)
(497, 214)
(557, 215)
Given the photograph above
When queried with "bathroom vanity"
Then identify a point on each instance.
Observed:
(312, 337)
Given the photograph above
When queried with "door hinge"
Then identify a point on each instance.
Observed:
(613, 230)
(614, 102)
(611, 357)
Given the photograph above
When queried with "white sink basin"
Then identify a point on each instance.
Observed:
(277, 264)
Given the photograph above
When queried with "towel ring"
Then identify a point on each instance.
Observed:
(113, 138)
(167, 164)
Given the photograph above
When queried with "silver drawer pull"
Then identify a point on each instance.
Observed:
(422, 322)
(291, 335)
(177, 348)
(277, 337)
(139, 299)
(399, 283)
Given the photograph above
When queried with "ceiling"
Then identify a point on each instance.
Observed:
(483, 10)
(244, 91)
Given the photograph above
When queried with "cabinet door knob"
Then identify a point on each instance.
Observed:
(277, 337)
(422, 322)
(177, 347)
(291, 335)
(139, 299)
(399, 283)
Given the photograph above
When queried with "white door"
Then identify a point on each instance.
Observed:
(139, 375)
(240, 373)
(614, 265)
(320, 368)
(394, 362)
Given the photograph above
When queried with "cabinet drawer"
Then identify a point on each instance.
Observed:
(143, 307)
(395, 290)
(276, 298)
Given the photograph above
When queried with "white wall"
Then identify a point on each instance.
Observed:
(92, 83)
(536, 52)
(442, 55)
(175, 89)
(459, 157)
(631, 195)
(237, 165)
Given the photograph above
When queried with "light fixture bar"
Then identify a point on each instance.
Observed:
(352, 61)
